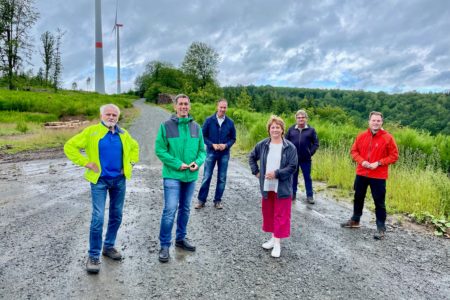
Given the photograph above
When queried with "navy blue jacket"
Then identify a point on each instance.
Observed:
(305, 141)
(215, 134)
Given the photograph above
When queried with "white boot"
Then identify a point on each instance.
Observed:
(276, 251)
(269, 244)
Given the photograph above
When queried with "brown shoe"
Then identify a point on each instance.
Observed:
(112, 253)
(218, 205)
(350, 224)
(93, 265)
(199, 205)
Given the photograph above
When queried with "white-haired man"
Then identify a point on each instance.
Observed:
(111, 153)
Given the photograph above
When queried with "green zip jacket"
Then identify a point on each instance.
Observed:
(88, 140)
(180, 140)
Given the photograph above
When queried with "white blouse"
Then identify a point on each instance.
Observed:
(272, 164)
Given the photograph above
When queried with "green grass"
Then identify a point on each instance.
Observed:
(63, 103)
(14, 116)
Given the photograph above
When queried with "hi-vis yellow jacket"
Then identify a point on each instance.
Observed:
(88, 140)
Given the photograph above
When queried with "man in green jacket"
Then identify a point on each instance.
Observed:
(111, 153)
(179, 145)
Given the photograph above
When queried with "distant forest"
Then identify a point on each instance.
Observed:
(429, 111)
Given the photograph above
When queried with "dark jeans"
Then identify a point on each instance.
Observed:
(116, 188)
(306, 170)
(222, 166)
(378, 189)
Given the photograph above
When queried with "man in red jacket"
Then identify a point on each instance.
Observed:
(374, 150)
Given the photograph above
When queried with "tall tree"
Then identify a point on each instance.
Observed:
(48, 52)
(57, 65)
(244, 100)
(201, 62)
(16, 18)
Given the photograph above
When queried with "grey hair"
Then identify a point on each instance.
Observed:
(104, 107)
(376, 113)
(222, 100)
(181, 96)
(301, 112)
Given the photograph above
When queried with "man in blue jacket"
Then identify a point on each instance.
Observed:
(305, 140)
(219, 135)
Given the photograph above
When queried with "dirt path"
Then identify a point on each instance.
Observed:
(44, 225)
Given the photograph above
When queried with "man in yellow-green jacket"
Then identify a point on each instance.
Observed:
(111, 153)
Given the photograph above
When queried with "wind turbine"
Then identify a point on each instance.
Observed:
(99, 71)
(116, 28)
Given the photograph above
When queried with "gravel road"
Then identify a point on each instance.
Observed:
(44, 224)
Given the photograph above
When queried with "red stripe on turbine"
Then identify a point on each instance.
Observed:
(98, 45)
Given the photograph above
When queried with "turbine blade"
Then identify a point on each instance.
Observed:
(117, 6)
(115, 20)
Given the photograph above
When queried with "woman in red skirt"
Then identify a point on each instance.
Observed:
(277, 163)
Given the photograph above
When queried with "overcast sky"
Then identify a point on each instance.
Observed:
(391, 45)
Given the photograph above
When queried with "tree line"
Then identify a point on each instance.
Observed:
(428, 112)
(196, 77)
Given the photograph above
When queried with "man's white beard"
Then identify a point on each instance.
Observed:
(109, 124)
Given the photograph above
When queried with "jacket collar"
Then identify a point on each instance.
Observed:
(217, 119)
(306, 127)
(177, 120)
(379, 132)
(116, 128)
(267, 142)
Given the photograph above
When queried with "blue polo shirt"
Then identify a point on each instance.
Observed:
(111, 153)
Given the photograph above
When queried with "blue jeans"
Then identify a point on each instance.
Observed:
(378, 189)
(116, 188)
(306, 170)
(222, 166)
(177, 196)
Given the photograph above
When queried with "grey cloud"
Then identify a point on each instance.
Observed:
(388, 44)
(443, 78)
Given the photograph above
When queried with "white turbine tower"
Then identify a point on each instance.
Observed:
(116, 28)
(99, 71)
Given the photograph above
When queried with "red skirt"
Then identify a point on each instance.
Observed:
(277, 215)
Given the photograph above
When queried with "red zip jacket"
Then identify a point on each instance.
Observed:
(380, 147)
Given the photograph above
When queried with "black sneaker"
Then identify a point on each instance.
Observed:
(93, 265)
(185, 245)
(164, 254)
(218, 205)
(379, 235)
(112, 253)
(310, 200)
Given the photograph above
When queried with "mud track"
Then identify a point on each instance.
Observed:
(44, 224)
